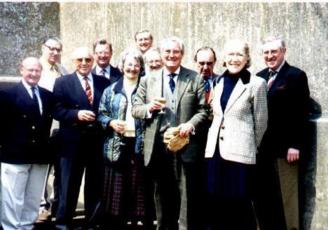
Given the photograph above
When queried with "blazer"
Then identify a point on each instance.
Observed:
(238, 131)
(70, 97)
(25, 135)
(115, 74)
(190, 108)
(288, 100)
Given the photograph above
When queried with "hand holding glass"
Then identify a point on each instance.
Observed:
(161, 100)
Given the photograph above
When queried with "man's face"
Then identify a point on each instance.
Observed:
(171, 55)
(51, 51)
(205, 63)
(273, 54)
(31, 71)
(83, 61)
(143, 41)
(154, 61)
(102, 55)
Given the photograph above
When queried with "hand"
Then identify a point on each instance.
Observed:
(186, 129)
(154, 105)
(293, 155)
(118, 126)
(86, 115)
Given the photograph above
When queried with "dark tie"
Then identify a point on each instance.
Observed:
(207, 87)
(270, 78)
(103, 72)
(88, 91)
(36, 106)
(171, 82)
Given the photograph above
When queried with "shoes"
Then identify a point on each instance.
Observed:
(44, 215)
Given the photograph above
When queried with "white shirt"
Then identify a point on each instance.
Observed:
(90, 81)
(99, 71)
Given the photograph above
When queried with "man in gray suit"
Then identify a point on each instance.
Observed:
(183, 90)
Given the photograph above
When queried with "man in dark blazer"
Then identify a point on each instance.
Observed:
(184, 93)
(103, 52)
(26, 115)
(282, 144)
(77, 99)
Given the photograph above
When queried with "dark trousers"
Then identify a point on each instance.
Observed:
(166, 171)
(71, 173)
(267, 195)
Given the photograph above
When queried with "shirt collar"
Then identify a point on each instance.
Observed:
(279, 68)
(177, 71)
(82, 77)
(99, 69)
(29, 87)
(46, 65)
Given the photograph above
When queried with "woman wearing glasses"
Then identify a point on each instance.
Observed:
(123, 196)
(239, 121)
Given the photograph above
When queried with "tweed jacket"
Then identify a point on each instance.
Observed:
(237, 132)
(113, 105)
(190, 108)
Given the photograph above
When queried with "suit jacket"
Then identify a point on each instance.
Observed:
(190, 108)
(115, 74)
(288, 100)
(70, 97)
(25, 135)
(239, 130)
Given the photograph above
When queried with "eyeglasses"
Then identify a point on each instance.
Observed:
(52, 49)
(87, 60)
(202, 63)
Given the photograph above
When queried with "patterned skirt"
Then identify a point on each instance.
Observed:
(124, 190)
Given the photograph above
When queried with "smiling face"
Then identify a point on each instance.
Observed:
(102, 55)
(31, 71)
(273, 54)
(235, 57)
(144, 41)
(83, 61)
(171, 53)
(153, 60)
(131, 67)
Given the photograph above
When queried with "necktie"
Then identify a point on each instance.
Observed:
(103, 72)
(171, 82)
(88, 91)
(35, 101)
(271, 78)
(207, 87)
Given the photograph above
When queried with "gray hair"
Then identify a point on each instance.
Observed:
(136, 54)
(172, 39)
(278, 39)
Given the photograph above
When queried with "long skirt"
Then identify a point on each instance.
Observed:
(229, 192)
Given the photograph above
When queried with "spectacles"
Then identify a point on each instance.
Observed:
(53, 49)
(87, 60)
(202, 63)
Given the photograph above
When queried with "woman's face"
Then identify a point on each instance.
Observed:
(131, 68)
(235, 57)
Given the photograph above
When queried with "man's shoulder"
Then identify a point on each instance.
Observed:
(184, 70)
(263, 72)
(100, 80)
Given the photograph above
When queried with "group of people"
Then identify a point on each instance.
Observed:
(239, 169)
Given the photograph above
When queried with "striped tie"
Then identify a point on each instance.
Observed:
(88, 91)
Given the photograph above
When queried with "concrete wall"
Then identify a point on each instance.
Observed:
(23, 26)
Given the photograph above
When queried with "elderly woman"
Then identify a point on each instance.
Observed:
(123, 198)
(240, 119)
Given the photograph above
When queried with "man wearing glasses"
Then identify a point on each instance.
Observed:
(77, 97)
(51, 69)
(103, 53)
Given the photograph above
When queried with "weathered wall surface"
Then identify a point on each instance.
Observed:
(23, 27)
(304, 26)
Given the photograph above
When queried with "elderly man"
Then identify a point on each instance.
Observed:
(153, 60)
(77, 98)
(184, 93)
(51, 69)
(25, 126)
(103, 53)
(283, 142)
(144, 40)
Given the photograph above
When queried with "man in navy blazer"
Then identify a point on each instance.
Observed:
(283, 143)
(26, 115)
(77, 99)
(103, 52)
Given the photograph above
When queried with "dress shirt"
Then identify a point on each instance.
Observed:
(90, 81)
(37, 93)
(276, 71)
(99, 71)
(50, 73)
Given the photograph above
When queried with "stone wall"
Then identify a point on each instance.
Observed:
(304, 26)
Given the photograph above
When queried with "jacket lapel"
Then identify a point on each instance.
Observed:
(182, 83)
(235, 94)
(279, 81)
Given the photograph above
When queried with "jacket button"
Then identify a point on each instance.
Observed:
(221, 138)
(222, 127)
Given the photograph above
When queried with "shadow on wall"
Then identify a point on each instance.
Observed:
(308, 168)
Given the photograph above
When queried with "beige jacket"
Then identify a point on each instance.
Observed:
(238, 132)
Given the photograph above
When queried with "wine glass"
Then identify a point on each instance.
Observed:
(161, 100)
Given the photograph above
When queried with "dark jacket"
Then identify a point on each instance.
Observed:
(288, 100)
(24, 134)
(115, 74)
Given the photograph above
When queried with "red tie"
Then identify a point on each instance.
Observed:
(88, 91)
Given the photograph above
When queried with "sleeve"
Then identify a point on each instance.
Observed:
(104, 112)
(139, 107)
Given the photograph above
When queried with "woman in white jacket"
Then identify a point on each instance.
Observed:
(239, 121)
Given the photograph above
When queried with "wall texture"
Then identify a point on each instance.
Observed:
(304, 26)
